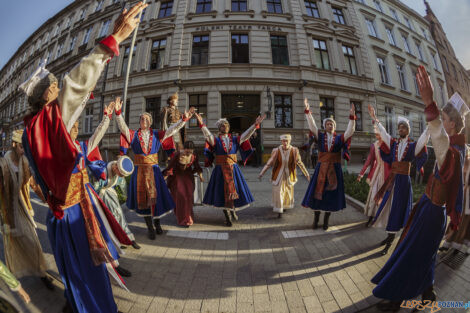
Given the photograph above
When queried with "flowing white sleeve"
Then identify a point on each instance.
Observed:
(422, 141)
(123, 127)
(78, 84)
(173, 129)
(208, 135)
(383, 134)
(248, 133)
(98, 134)
(350, 129)
(311, 124)
(440, 140)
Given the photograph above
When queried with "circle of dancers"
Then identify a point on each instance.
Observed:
(87, 228)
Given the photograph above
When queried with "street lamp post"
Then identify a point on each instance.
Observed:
(270, 102)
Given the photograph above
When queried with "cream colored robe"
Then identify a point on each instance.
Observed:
(23, 252)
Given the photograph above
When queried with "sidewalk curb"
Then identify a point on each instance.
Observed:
(358, 205)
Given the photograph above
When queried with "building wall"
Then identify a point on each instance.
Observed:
(299, 79)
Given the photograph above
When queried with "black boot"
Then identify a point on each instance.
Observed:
(151, 230)
(369, 221)
(234, 215)
(135, 245)
(47, 282)
(316, 219)
(389, 238)
(429, 294)
(387, 246)
(158, 228)
(326, 218)
(123, 272)
(228, 221)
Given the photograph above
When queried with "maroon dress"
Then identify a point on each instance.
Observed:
(180, 172)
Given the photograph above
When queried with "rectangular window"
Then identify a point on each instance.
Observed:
(406, 45)
(425, 34)
(99, 5)
(321, 54)
(165, 9)
(56, 31)
(391, 38)
(274, 6)
(371, 27)
(198, 101)
(327, 108)
(157, 55)
(434, 61)
(360, 1)
(408, 23)
(279, 50)
(200, 51)
(402, 76)
(358, 108)
(48, 57)
(203, 6)
(72, 43)
(152, 106)
(378, 6)
(338, 16)
(240, 48)
(420, 52)
(88, 125)
(312, 8)
(384, 78)
(239, 5)
(142, 16)
(350, 60)
(283, 111)
(389, 121)
(394, 15)
(416, 84)
(87, 35)
(104, 28)
(407, 115)
(59, 50)
(82, 13)
(125, 59)
(69, 22)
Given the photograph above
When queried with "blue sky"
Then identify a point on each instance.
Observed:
(20, 18)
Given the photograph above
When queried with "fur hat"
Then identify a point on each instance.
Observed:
(220, 122)
(16, 135)
(148, 115)
(329, 119)
(286, 137)
(403, 120)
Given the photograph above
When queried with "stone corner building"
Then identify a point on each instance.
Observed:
(239, 58)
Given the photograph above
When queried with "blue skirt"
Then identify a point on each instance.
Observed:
(215, 195)
(165, 203)
(401, 205)
(332, 200)
(87, 287)
(410, 269)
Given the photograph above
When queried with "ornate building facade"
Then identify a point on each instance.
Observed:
(236, 59)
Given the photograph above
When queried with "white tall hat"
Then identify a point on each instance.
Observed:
(403, 120)
(220, 122)
(35, 78)
(16, 135)
(459, 104)
(285, 137)
(329, 119)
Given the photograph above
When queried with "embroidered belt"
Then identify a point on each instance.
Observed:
(226, 163)
(326, 171)
(77, 194)
(146, 189)
(151, 159)
(436, 191)
(398, 167)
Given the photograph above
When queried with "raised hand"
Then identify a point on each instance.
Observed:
(189, 113)
(112, 105)
(307, 106)
(260, 119)
(371, 110)
(352, 111)
(424, 85)
(127, 22)
(199, 119)
(118, 104)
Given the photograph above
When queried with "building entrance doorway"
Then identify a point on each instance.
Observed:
(240, 110)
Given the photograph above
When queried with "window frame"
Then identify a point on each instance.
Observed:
(338, 15)
(348, 56)
(168, 9)
(192, 123)
(326, 109)
(206, 6)
(160, 53)
(312, 8)
(321, 54)
(235, 47)
(274, 5)
(199, 46)
(283, 105)
(280, 48)
(383, 69)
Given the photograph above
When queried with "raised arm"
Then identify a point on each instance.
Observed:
(78, 84)
(422, 141)
(102, 127)
(250, 131)
(121, 123)
(382, 131)
(173, 129)
(310, 121)
(439, 137)
(207, 133)
(352, 123)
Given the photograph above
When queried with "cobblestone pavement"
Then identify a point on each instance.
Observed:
(257, 269)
